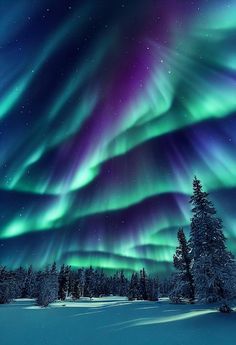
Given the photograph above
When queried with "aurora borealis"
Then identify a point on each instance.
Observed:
(107, 111)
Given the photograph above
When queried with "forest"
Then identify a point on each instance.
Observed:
(205, 270)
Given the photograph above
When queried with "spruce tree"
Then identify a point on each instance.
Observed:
(143, 284)
(134, 288)
(76, 290)
(165, 287)
(47, 287)
(67, 279)
(5, 291)
(30, 287)
(213, 265)
(81, 278)
(89, 282)
(101, 284)
(152, 289)
(116, 284)
(123, 284)
(20, 275)
(54, 281)
(184, 285)
(63, 280)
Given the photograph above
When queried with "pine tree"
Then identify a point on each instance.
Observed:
(134, 288)
(72, 277)
(19, 282)
(152, 289)
(67, 279)
(213, 266)
(54, 281)
(100, 281)
(143, 284)
(63, 280)
(123, 284)
(75, 286)
(47, 287)
(165, 287)
(81, 278)
(183, 285)
(5, 292)
(116, 284)
(30, 286)
(89, 282)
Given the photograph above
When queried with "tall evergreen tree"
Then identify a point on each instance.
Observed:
(63, 280)
(75, 285)
(184, 285)
(143, 282)
(100, 283)
(123, 284)
(81, 278)
(30, 286)
(5, 291)
(116, 284)
(134, 288)
(19, 282)
(54, 281)
(89, 289)
(152, 289)
(213, 265)
(165, 287)
(47, 287)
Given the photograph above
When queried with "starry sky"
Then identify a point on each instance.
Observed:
(107, 111)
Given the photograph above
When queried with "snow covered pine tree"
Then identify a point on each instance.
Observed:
(143, 283)
(48, 286)
(213, 265)
(183, 282)
(5, 295)
(63, 280)
(134, 288)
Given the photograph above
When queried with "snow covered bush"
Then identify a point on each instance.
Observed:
(4, 293)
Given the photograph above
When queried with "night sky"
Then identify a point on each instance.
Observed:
(107, 111)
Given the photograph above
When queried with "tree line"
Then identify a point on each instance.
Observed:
(205, 270)
(50, 284)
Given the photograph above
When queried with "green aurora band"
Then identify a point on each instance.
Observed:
(102, 129)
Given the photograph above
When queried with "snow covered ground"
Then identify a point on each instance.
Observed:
(114, 321)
